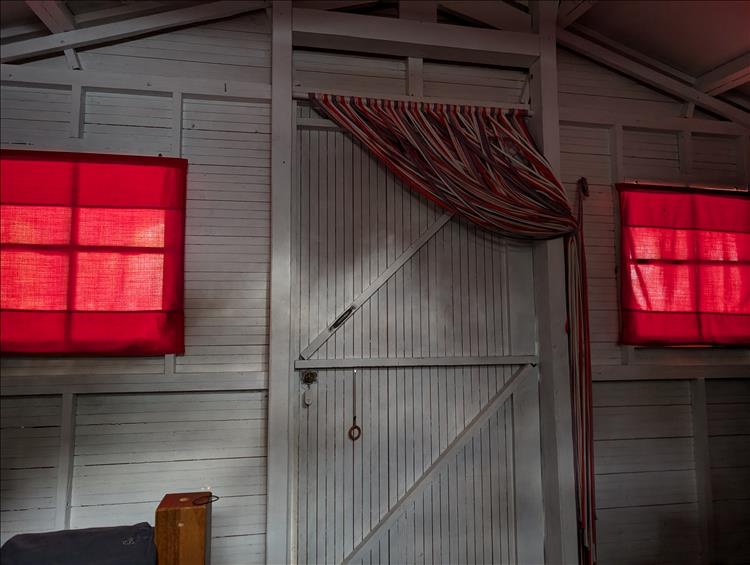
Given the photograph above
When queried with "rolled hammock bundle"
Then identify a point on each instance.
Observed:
(482, 164)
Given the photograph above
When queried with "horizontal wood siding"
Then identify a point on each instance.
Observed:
(728, 412)
(228, 228)
(30, 443)
(318, 70)
(130, 450)
(646, 495)
(456, 82)
(33, 116)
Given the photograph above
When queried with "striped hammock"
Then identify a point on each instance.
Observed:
(482, 164)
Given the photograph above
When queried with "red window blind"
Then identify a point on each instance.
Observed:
(91, 253)
(685, 266)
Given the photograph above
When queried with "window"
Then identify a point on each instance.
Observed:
(685, 266)
(91, 253)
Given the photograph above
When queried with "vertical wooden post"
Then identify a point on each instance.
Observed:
(685, 149)
(177, 123)
(77, 110)
(423, 11)
(558, 472)
(279, 374)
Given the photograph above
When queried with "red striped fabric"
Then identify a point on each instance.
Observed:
(482, 164)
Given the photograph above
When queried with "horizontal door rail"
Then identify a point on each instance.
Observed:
(414, 362)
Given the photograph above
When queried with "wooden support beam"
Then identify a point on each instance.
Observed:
(496, 14)
(333, 4)
(651, 77)
(632, 53)
(726, 77)
(572, 10)
(21, 30)
(586, 116)
(397, 37)
(128, 28)
(56, 16)
(556, 421)
(279, 536)
(373, 287)
(128, 10)
(665, 372)
(418, 10)
(414, 362)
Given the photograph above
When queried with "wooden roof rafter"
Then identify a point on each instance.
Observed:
(133, 27)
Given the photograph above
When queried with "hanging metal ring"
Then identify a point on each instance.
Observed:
(355, 432)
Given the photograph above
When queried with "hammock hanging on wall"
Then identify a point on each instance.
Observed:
(482, 164)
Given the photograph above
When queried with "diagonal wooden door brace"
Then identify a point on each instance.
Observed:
(359, 301)
(438, 465)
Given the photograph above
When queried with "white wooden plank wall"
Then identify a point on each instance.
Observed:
(132, 449)
(463, 294)
(380, 76)
(30, 440)
(715, 159)
(583, 84)
(456, 82)
(172, 441)
(645, 473)
(728, 413)
(319, 70)
(227, 238)
(116, 122)
(33, 116)
(586, 152)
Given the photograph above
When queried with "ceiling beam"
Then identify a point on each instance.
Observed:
(333, 4)
(124, 29)
(572, 10)
(496, 13)
(726, 77)
(651, 77)
(397, 37)
(632, 53)
(418, 10)
(56, 16)
(131, 10)
(10, 32)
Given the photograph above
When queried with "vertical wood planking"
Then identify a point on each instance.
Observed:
(408, 415)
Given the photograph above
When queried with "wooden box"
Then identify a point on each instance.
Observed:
(183, 529)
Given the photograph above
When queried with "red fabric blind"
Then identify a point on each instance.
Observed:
(685, 266)
(91, 253)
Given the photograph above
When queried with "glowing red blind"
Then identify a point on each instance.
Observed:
(91, 253)
(685, 266)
